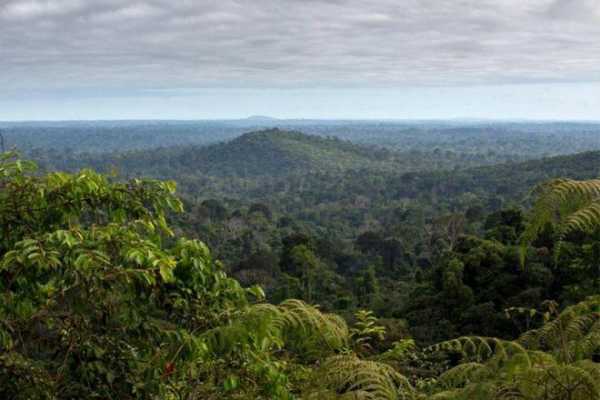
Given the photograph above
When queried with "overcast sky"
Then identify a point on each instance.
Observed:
(104, 59)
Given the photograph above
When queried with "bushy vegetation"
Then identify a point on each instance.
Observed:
(346, 227)
(101, 297)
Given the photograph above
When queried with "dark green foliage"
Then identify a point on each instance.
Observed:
(101, 298)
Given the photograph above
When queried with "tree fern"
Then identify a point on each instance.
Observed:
(574, 335)
(572, 205)
(480, 349)
(551, 363)
(348, 377)
(293, 325)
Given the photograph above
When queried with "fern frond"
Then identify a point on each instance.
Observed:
(575, 381)
(254, 329)
(552, 362)
(573, 335)
(463, 374)
(353, 378)
(309, 333)
(293, 325)
(573, 205)
(481, 349)
(483, 391)
(584, 219)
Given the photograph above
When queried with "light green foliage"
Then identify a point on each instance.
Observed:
(92, 303)
(553, 362)
(365, 330)
(571, 204)
(293, 325)
(400, 350)
(347, 377)
(294, 329)
(99, 299)
(574, 335)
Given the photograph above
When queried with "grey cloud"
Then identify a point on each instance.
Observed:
(163, 44)
(577, 10)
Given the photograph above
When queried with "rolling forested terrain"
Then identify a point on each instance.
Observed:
(425, 260)
(491, 141)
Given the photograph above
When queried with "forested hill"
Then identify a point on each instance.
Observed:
(266, 153)
(271, 153)
(287, 166)
(485, 141)
(510, 180)
(275, 152)
(359, 195)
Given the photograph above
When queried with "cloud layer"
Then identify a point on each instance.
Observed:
(166, 45)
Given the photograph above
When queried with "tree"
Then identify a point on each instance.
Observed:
(93, 304)
(505, 225)
(305, 265)
(367, 287)
(288, 243)
(214, 209)
(262, 209)
(369, 242)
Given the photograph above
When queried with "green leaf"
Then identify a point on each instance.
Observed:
(231, 383)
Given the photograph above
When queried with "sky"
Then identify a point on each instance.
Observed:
(197, 59)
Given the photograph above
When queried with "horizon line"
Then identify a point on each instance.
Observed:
(266, 119)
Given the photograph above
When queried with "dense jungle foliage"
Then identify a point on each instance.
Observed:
(378, 268)
(102, 299)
